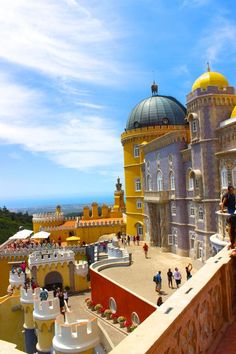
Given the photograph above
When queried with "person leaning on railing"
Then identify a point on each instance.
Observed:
(228, 201)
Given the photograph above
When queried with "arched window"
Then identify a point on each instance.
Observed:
(149, 183)
(159, 181)
(172, 181)
(224, 178)
(191, 210)
(234, 176)
(137, 185)
(190, 183)
(173, 209)
(201, 214)
(139, 228)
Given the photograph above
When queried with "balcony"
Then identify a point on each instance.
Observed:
(221, 238)
(160, 197)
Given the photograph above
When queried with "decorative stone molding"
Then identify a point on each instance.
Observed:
(157, 197)
(49, 257)
(75, 335)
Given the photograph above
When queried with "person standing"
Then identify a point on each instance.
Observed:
(145, 248)
(158, 282)
(128, 240)
(137, 239)
(177, 277)
(228, 201)
(188, 271)
(170, 278)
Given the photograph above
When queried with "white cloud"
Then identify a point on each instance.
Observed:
(218, 42)
(195, 3)
(180, 70)
(58, 38)
(75, 141)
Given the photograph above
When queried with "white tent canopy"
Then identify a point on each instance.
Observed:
(21, 235)
(41, 234)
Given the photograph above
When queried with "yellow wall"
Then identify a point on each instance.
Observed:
(37, 225)
(11, 321)
(81, 283)
(63, 269)
(5, 269)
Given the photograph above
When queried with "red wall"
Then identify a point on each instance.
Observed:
(102, 289)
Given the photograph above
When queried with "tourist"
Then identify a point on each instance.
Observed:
(158, 282)
(23, 266)
(170, 278)
(61, 300)
(145, 248)
(128, 240)
(159, 301)
(188, 271)
(228, 201)
(137, 239)
(177, 277)
(66, 297)
(134, 240)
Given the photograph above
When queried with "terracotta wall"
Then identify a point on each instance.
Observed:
(127, 302)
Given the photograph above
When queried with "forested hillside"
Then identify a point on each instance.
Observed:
(10, 223)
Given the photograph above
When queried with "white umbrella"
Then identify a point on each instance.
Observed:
(21, 235)
(41, 234)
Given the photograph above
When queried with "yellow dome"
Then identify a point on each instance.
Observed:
(210, 78)
(233, 114)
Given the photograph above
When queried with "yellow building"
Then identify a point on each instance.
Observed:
(151, 118)
(90, 226)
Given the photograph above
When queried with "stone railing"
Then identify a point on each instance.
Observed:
(46, 257)
(156, 197)
(81, 268)
(46, 310)
(115, 252)
(221, 238)
(75, 335)
(193, 317)
(16, 279)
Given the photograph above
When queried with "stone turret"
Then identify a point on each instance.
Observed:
(74, 335)
(16, 281)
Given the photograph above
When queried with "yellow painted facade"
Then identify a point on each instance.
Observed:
(45, 334)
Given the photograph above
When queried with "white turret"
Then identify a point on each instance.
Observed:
(49, 257)
(46, 310)
(81, 268)
(75, 336)
(16, 280)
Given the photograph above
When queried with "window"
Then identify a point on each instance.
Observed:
(137, 185)
(112, 305)
(191, 210)
(234, 176)
(139, 229)
(192, 237)
(201, 214)
(194, 126)
(191, 184)
(200, 250)
(136, 150)
(175, 236)
(159, 181)
(172, 181)
(224, 178)
(170, 239)
(135, 318)
(139, 204)
(173, 209)
(149, 183)
(196, 183)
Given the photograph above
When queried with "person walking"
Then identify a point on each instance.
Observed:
(145, 248)
(177, 277)
(170, 278)
(128, 240)
(158, 282)
(228, 201)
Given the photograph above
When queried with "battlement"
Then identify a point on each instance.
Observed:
(210, 90)
(48, 217)
(28, 296)
(52, 256)
(81, 268)
(16, 279)
(100, 222)
(46, 310)
(75, 335)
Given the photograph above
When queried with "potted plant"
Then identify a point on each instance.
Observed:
(98, 308)
(132, 328)
(121, 320)
(114, 317)
(102, 311)
(128, 324)
(107, 313)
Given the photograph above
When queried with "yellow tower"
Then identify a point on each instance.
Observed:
(150, 119)
(45, 313)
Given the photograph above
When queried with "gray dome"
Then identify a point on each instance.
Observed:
(157, 110)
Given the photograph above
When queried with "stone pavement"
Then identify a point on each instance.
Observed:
(139, 279)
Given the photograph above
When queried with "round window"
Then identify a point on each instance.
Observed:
(112, 305)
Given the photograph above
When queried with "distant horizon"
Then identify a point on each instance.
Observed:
(39, 202)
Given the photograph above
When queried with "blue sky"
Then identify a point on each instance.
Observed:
(71, 71)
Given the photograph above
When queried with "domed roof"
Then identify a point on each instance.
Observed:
(210, 78)
(233, 114)
(156, 110)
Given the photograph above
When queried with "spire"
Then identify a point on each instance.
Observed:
(118, 185)
(208, 67)
(154, 88)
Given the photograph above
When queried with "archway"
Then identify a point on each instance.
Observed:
(52, 280)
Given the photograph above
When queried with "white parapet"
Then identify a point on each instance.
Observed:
(81, 268)
(114, 252)
(28, 296)
(75, 335)
(50, 256)
(16, 279)
(46, 310)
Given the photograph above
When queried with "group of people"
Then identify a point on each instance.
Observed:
(176, 276)
(20, 269)
(127, 239)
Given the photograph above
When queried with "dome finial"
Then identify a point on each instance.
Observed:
(208, 67)
(154, 88)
